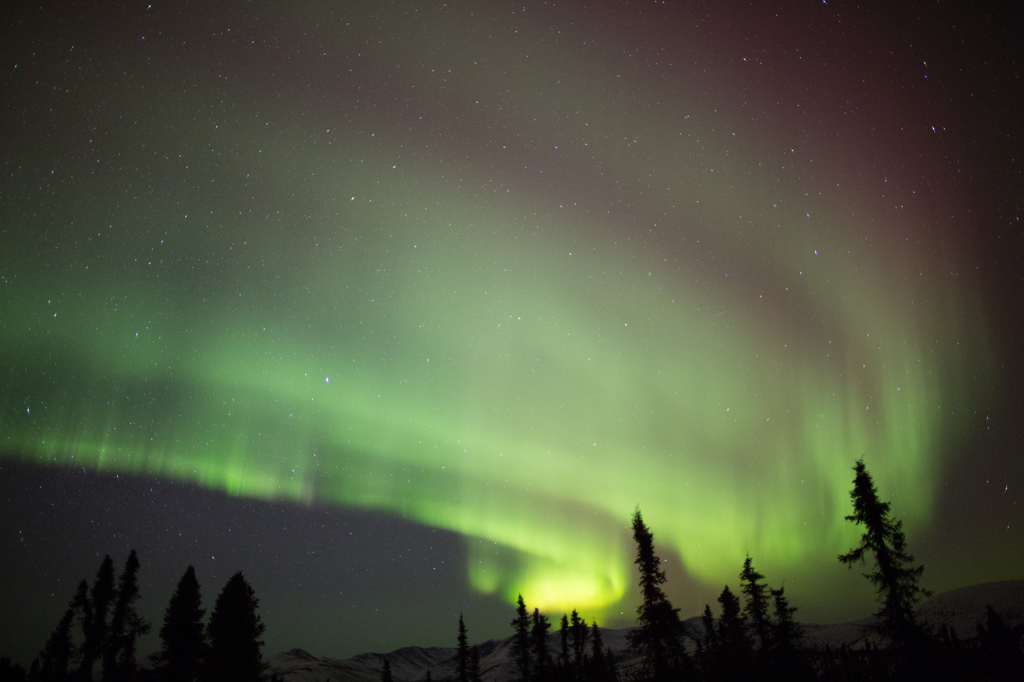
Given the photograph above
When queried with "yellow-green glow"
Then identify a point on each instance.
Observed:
(526, 397)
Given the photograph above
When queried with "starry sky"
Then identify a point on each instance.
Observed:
(403, 307)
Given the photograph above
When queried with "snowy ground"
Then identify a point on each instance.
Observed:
(961, 609)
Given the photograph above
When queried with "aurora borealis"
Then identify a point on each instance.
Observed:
(507, 271)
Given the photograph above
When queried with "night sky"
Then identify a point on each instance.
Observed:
(403, 307)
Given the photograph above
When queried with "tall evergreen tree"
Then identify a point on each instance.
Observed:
(563, 636)
(756, 609)
(474, 664)
(385, 671)
(126, 625)
(579, 632)
(59, 650)
(785, 637)
(893, 576)
(95, 610)
(786, 632)
(521, 641)
(463, 652)
(734, 650)
(83, 610)
(708, 649)
(182, 634)
(598, 666)
(539, 640)
(658, 637)
(235, 630)
(707, 619)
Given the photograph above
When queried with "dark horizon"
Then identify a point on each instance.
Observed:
(302, 545)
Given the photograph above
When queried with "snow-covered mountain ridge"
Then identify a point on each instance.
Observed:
(961, 609)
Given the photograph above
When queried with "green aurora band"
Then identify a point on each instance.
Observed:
(504, 362)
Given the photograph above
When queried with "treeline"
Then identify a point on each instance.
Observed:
(757, 638)
(99, 630)
(580, 657)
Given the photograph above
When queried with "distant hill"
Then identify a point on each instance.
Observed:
(961, 609)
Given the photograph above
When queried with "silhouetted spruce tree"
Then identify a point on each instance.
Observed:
(563, 635)
(385, 671)
(598, 667)
(785, 636)
(521, 641)
(56, 657)
(756, 608)
(182, 634)
(474, 664)
(463, 653)
(82, 608)
(950, 654)
(708, 649)
(658, 637)
(734, 650)
(235, 630)
(126, 625)
(1000, 648)
(707, 620)
(95, 610)
(539, 640)
(894, 579)
(579, 633)
(786, 633)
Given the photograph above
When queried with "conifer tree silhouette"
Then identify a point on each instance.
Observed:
(184, 639)
(999, 648)
(895, 581)
(474, 664)
(539, 641)
(598, 666)
(579, 632)
(708, 649)
(785, 636)
(756, 608)
(563, 635)
(83, 609)
(658, 637)
(56, 657)
(94, 606)
(707, 619)
(463, 652)
(101, 596)
(385, 671)
(521, 643)
(126, 625)
(234, 630)
(733, 642)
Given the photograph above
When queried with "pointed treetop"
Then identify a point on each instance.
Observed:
(893, 575)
